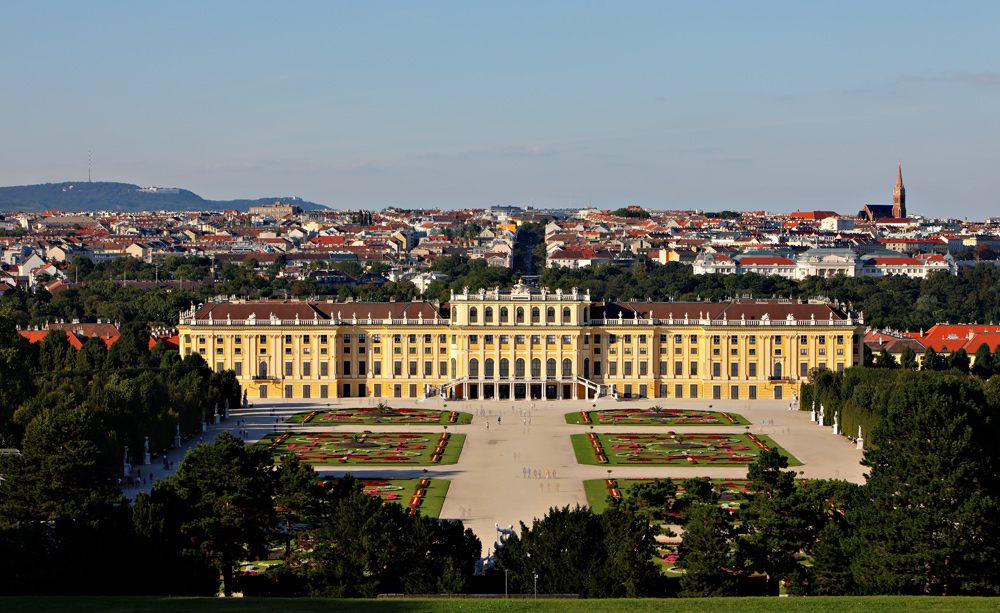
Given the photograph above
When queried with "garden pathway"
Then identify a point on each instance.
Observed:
(488, 485)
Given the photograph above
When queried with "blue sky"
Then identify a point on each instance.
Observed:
(780, 107)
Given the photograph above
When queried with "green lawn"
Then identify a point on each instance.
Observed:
(123, 604)
(672, 449)
(366, 448)
(401, 491)
(370, 416)
(597, 490)
(655, 417)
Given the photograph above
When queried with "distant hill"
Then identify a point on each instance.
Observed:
(84, 196)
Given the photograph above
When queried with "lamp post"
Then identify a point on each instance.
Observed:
(535, 575)
(505, 584)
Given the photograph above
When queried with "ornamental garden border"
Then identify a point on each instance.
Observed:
(673, 449)
(382, 414)
(367, 448)
(656, 416)
(598, 490)
(416, 494)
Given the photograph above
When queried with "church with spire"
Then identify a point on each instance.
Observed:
(884, 212)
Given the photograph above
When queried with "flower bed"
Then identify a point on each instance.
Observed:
(598, 490)
(656, 416)
(671, 448)
(429, 494)
(367, 448)
(379, 415)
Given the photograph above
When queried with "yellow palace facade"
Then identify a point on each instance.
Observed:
(523, 343)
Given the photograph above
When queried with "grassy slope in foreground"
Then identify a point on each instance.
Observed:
(97, 604)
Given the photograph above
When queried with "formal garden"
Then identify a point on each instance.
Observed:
(367, 448)
(380, 414)
(673, 448)
(655, 416)
(425, 495)
(599, 490)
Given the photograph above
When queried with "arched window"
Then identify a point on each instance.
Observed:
(262, 370)
(488, 368)
(777, 369)
(519, 368)
(536, 368)
(474, 368)
(520, 315)
(567, 368)
(566, 315)
(536, 315)
(454, 368)
(503, 315)
(488, 315)
(550, 368)
(550, 315)
(504, 368)
(473, 315)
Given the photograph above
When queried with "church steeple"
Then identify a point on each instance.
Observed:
(899, 195)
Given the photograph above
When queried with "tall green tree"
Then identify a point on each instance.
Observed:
(574, 551)
(982, 365)
(707, 553)
(226, 510)
(959, 360)
(16, 384)
(774, 525)
(885, 360)
(932, 361)
(60, 509)
(927, 522)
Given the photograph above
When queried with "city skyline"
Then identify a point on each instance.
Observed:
(773, 108)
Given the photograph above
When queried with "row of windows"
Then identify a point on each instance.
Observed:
(536, 315)
(752, 339)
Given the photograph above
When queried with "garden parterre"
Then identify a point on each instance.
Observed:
(379, 415)
(656, 416)
(425, 495)
(367, 448)
(672, 448)
(598, 490)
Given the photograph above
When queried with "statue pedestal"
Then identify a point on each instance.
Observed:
(218, 418)
(126, 469)
(204, 426)
(836, 429)
(145, 459)
(812, 417)
(177, 442)
(861, 444)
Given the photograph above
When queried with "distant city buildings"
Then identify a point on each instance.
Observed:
(881, 240)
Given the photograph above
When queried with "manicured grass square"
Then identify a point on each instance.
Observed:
(656, 416)
(382, 414)
(367, 448)
(598, 490)
(672, 449)
(424, 495)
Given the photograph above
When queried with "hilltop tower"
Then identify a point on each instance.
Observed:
(899, 196)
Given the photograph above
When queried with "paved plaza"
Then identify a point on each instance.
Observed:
(491, 483)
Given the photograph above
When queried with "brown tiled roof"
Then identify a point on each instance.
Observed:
(318, 310)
